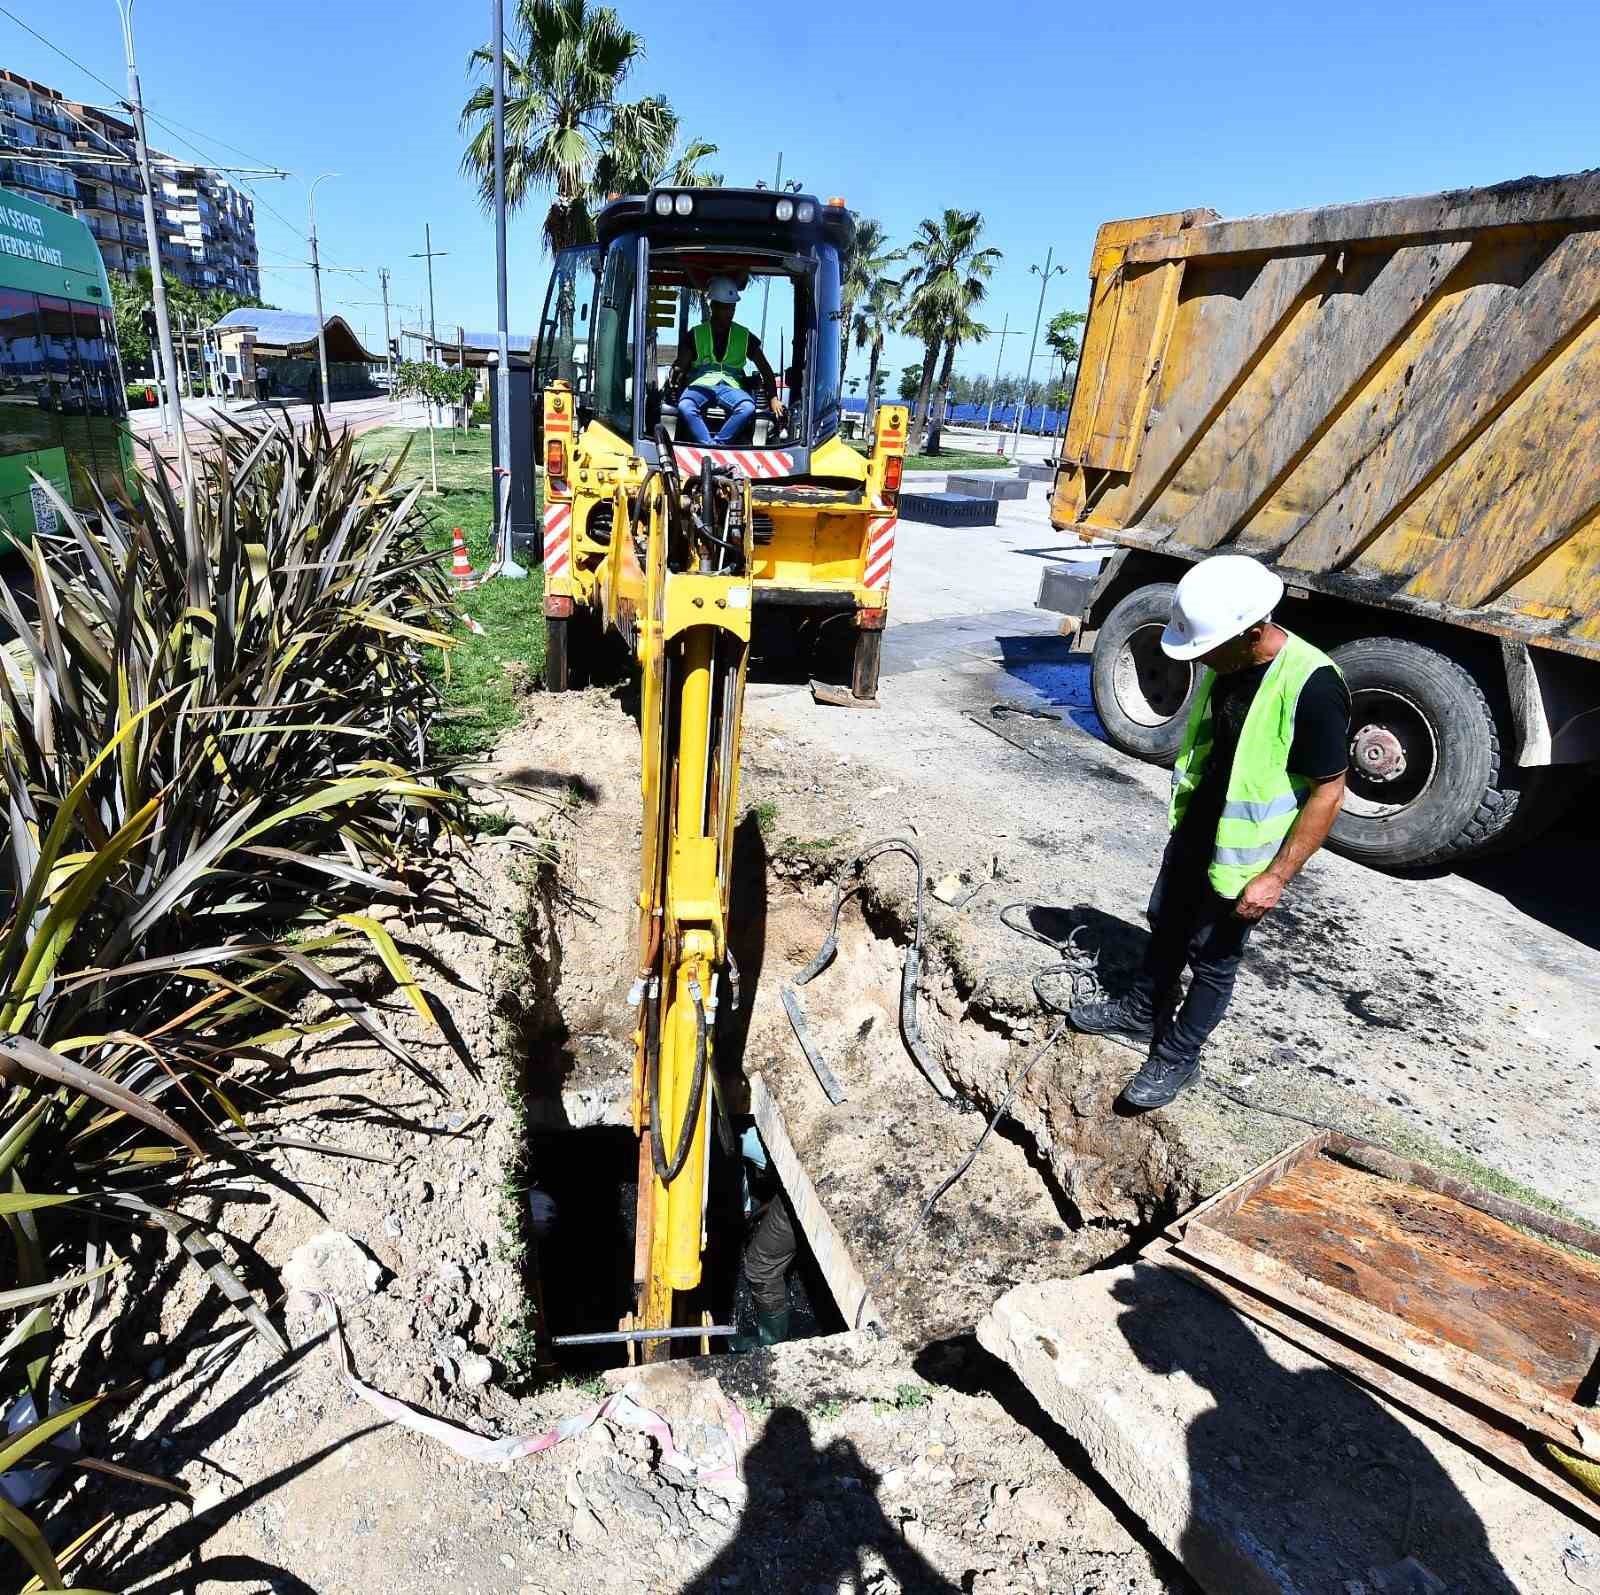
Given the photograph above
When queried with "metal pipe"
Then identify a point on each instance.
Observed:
(617, 1337)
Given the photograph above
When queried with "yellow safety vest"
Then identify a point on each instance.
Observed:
(1263, 798)
(709, 371)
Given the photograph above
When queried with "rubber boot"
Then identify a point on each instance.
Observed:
(772, 1329)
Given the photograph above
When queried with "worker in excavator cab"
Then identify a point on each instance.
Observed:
(710, 369)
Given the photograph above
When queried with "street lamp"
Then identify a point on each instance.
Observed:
(1044, 274)
(316, 280)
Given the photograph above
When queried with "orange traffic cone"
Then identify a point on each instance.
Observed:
(460, 565)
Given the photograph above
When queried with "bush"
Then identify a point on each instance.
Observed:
(207, 743)
(480, 413)
(141, 395)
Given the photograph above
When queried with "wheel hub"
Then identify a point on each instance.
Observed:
(1378, 753)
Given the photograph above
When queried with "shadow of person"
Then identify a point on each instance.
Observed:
(1303, 1465)
(812, 1520)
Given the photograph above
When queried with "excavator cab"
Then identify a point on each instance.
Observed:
(618, 312)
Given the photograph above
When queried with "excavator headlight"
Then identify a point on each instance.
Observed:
(683, 204)
(784, 210)
(663, 204)
(806, 212)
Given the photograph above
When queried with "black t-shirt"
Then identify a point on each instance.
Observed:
(1320, 750)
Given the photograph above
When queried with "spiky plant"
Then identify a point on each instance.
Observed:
(211, 750)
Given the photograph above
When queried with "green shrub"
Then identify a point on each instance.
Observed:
(480, 413)
(141, 395)
(207, 738)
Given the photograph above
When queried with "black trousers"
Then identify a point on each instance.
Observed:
(768, 1256)
(1190, 927)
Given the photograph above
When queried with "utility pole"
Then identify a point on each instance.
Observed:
(1044, 275)
(158, 290)
(316, 280)
(427, 253)
(1005, 332)
(766, 282)
(505, 564)
(388, 346)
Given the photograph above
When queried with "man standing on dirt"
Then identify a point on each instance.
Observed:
(1258, 784)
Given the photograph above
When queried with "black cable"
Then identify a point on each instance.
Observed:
(998, 1114)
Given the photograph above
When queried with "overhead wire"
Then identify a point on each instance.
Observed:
(163, 122)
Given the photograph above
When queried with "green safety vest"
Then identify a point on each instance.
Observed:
(1263, 799)
(709, 371)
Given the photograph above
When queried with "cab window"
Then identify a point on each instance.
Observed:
(614, 336)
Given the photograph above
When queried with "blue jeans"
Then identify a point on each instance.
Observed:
(739, 405)
(1190, 925)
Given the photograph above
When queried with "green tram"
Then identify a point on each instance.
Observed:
(63, 409)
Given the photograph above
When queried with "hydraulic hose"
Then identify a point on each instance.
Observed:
(667, 1171)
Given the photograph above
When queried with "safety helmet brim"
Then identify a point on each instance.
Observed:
(1180, 645)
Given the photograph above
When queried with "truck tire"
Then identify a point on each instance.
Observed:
(1428, 783)
(1141, 696)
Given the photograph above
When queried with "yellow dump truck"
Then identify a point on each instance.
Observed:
(1396, 405)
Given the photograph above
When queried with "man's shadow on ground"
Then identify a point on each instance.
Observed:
(813, 1519)
(1308, 1464)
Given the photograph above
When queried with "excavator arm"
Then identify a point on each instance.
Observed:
(693, 538)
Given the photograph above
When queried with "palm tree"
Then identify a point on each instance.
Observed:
(566, 127)
(863, 265)
(959, 328)
(947, 281)
(878, 316)
(684, 169)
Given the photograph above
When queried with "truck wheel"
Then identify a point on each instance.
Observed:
(1427, 782)
(864, 666)
(1141, 696)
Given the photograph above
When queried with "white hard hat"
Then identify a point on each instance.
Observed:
(722, 291)
(1215, 601)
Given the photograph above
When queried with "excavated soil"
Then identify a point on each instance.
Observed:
(905, 1462)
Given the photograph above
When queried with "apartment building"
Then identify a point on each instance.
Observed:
(206, 224)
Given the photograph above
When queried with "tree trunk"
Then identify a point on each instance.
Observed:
(936, 414)
(872, 386)
(919, 415)
(848, 311)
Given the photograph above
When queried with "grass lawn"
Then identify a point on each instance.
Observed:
(479, 701)
(956, 460)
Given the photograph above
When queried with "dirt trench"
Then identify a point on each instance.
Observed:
(1061, 1185)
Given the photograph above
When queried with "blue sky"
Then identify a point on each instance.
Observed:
(1047, 117)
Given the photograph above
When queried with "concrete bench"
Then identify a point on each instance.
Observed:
(995, 487)
(948, 509)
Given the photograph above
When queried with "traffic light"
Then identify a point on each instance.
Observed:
(147, 319)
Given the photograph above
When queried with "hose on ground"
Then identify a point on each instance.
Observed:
(667, 1171)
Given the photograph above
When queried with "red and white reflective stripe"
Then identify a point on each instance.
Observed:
(557, 537)
(757, 464)
(880, 550)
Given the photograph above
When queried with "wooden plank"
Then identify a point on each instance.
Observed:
(1527, 202)
(1350, 334)
(1235, 333)
(1433, 1263)
(1379, 1160)
(844, 1279)
(1522, 1400)
(1503, 1448)
(1451, 402)
(1220, 1204)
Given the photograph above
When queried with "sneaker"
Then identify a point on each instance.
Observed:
(1112, 1016)
(1157, 1083)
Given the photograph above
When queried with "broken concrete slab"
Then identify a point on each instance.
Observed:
(1262, 1469)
